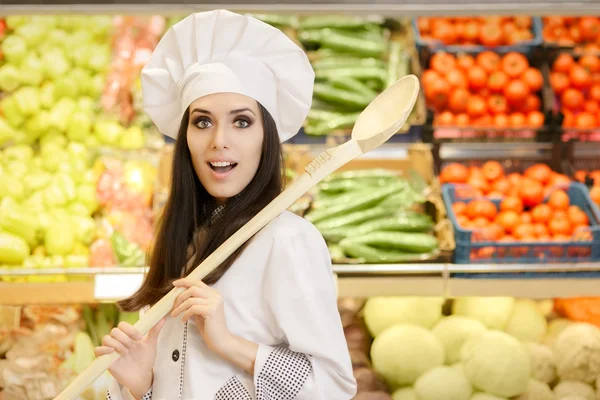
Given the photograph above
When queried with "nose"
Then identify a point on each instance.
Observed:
(219, 138)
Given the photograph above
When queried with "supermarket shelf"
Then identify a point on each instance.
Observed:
(90, 285)
(403, 8)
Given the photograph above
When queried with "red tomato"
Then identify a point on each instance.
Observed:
(535, 119)
(580, 77)
(497, 81)
(563, 63)
(559, 82)
(476, 106)
(514, 64)
(456, 78)
(477, 77)
(497, 104)
(488, 60)
(533, 78)
(516, 92)
(532, 103)
(572, 99)
(459, 99)
(442, 62)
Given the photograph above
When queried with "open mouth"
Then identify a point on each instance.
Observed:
(222, 166)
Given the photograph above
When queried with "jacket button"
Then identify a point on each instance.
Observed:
(175, 355)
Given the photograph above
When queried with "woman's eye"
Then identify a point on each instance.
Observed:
(242, 123)
(203, 124)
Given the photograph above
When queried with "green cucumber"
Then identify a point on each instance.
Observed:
(352, 218)
(357, 203)
(365, 46)
(409, 242)
(353, 85)
(361, 73)
(337, 21)
(334, 62)
(278, 20)
(336, 252)
(362, 173)
(371, 255)
(349, 100)
(325, 127)
(406, 221)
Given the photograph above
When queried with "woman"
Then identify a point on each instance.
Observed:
(264, 325)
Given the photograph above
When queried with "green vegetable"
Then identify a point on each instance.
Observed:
(47, 96)
(360, 73)
(61, 113)
(353, 85)
(13, 249)
(338, 21)
(55, 63)
(11, 186)
(410, 242)
(32, 33)
(278, 20)
(27, 100)
(101, 323)
(129, 317)
(341, 97)
(88, 317)
(352, 205)
(79, 126)
(10, 78)
(132, 138)
(335, 252)
(403, 221)
(85, 229)
(129, 254)
(14, 49)
(453, 331)
(325, 127)
(443, 383)
(60, 237)
(11, 112)
(335, 62)
(86, 195)
(351, 44)
(363, 173)
(371, 255)
(108, 132)
(352, 218)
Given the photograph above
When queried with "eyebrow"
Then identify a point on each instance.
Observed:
(232, 112)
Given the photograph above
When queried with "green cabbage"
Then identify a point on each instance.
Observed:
(55, 63)
(493, 312)
(496, 363)
(382, 312)
(402, 353)
(108, 132)
(61, 113)
(80, 126)
(407, 393)
(443, 383)
(32, 33)
(32, 72)
(527, 322)
(66, 86)
(453, 332)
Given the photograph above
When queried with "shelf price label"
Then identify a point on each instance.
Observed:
(116, 286)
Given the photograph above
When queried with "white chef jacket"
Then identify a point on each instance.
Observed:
(280, 294)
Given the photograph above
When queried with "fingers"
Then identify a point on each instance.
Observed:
(102, 350)
(130, 331)
(196, 291)
(201, 310)
(188, 283)
(122, 337)
(189, 303)
(110, 341)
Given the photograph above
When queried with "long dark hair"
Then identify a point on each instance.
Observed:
(186, 225)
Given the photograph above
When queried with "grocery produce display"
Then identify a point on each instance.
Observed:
(354, 60)
(490, 31)
(579, 33)
(373, 216)
(472, 348)
(538, 208)
(575, 81)
(483, 89)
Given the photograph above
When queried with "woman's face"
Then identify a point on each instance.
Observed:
(225, 137)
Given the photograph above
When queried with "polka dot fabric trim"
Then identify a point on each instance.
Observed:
(283, 375)
(147, 396)
(183, 351)
(233, 390)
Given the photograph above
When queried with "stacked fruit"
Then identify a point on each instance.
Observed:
(488, 31)
(583, 176)
(54, 73)
(577, 86)
(487, 90)
(583, 32)
(492, 181)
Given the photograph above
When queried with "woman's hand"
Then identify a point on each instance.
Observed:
(205, 305)
(134, 369)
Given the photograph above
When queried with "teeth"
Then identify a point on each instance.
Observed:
(221, 164)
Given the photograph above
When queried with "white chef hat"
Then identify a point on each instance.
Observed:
(220, 51)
